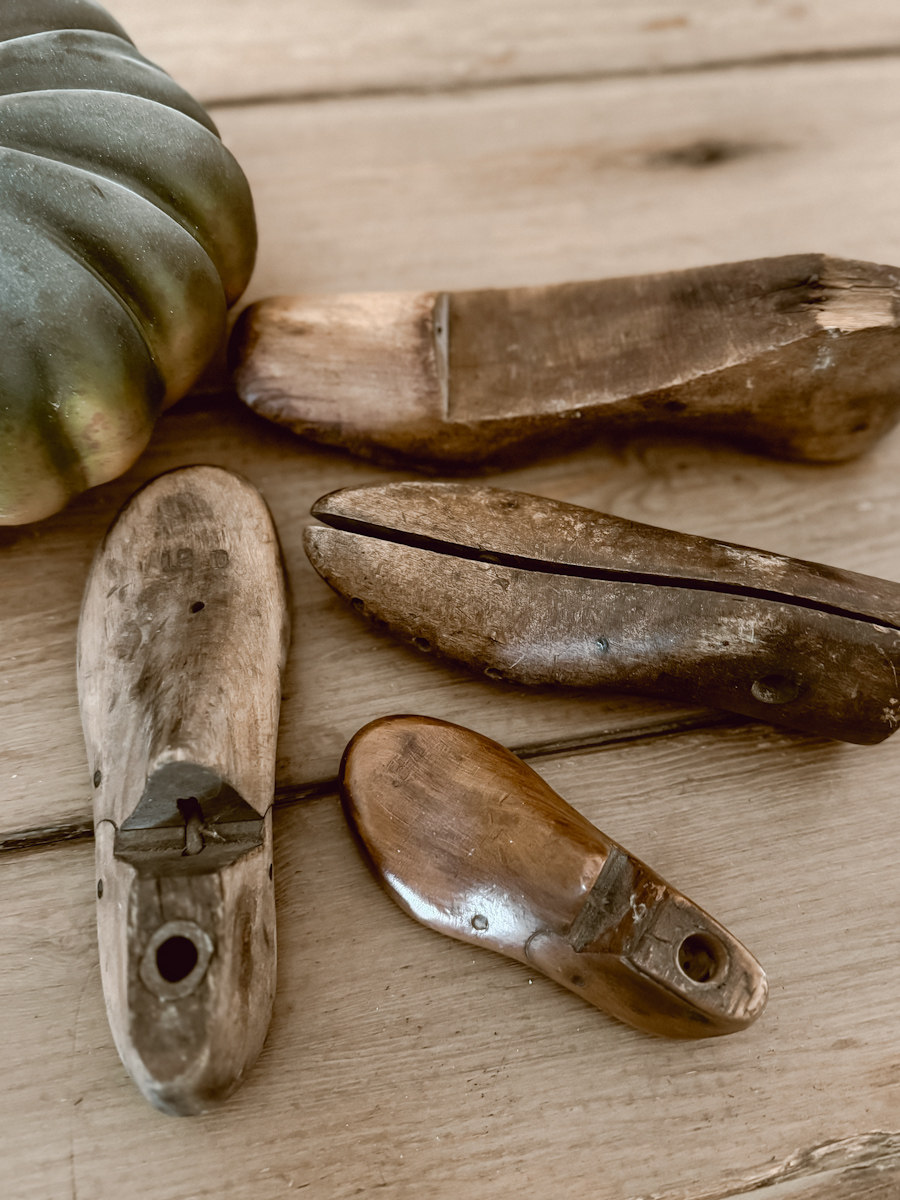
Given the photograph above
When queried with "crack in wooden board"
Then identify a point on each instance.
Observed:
(223, 52)
(646, 478)
(863, 1167)
(46, 836)
(389, 1040)
(450, 87)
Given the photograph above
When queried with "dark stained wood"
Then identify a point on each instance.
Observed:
(473, 843)
(182, 640)
(797, 356)
(536, 591)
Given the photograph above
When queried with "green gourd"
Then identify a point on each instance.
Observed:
(126, 231)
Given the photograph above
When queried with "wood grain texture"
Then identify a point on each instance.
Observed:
(44, 573)
(495, 188)
(529, 186)
(472, 842)
(403, 1061)
(866, 1167)
(222, 51)
(523, 589)
(496, 525)
(182, 640)
(798, 356)
(850, 515)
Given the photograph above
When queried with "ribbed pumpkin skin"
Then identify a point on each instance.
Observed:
(126, 230)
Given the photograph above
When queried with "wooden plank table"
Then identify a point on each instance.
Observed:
(416, 145)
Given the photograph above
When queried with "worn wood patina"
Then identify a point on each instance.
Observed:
(473, 843)
(182, 640)
(798, 356)
(531, 590)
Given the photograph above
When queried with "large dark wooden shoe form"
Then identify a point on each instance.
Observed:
(473, 843)
(796, 356)
(183, 636)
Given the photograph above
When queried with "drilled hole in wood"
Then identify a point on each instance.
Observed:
(97, 778)
(775, 689)
(479, 921)
(701, 958)
(197, 605)
(493, 673)
(99, 889)
(358, 604)
(422, 644)
(176, 958)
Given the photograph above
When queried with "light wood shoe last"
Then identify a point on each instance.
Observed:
(183, 636)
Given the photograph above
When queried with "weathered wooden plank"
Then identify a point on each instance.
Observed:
(866, 1167)
(402, 1060)
(340, 674)
(225, 49)
(335, 663)
(573, 181)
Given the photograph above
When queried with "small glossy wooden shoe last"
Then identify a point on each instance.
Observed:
(182, 640)
(536, 591)
(473, 843)
(796, 356)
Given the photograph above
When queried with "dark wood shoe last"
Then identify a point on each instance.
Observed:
(535, 591)
(473, 843)
(797, 356)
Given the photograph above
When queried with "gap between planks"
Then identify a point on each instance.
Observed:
(45, 837)
(452, 87)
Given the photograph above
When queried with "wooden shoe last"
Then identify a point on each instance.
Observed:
(183, 636)
(473, 843)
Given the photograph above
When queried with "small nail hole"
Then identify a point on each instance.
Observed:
(176, 958)
(602, 645)
(578, 980)
(775, 689)
(357, 604)
(422, 644)
(97, 778)
(479, 921)
(99, 889)
(701, 958)
(270, 870)
(197, 605)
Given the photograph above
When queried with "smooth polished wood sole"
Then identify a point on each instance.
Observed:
(182, 640)
(470, 841)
